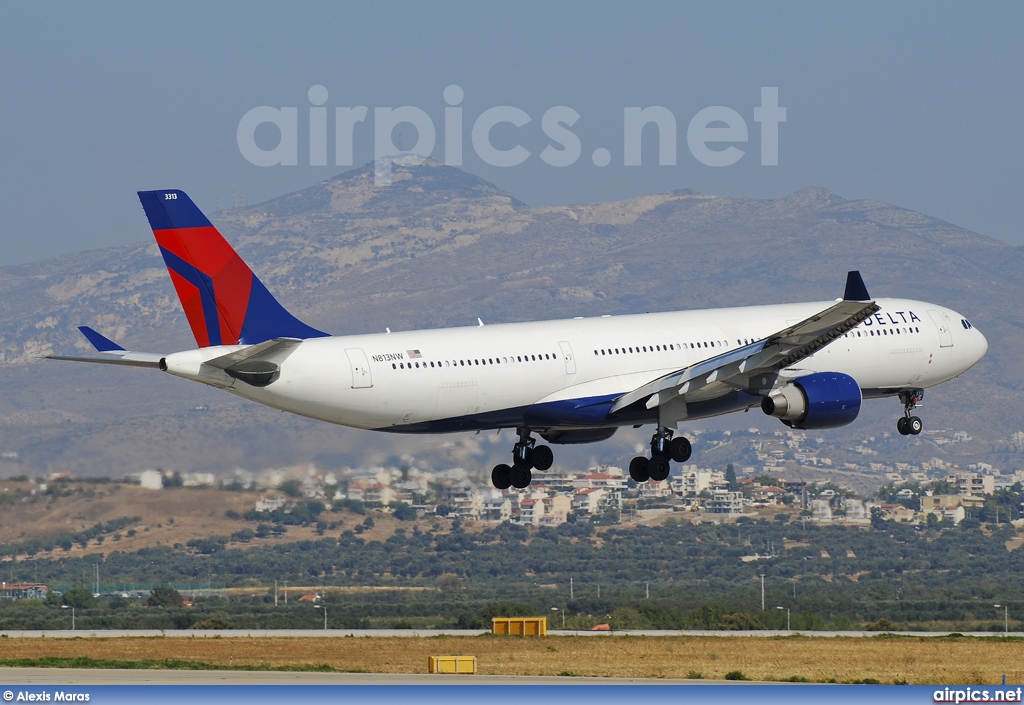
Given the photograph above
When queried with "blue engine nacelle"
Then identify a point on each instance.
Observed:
(821, 400)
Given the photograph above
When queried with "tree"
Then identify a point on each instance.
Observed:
(292, 488)
(165, 596)
(403, 512)
(730, 477)
(80, 598)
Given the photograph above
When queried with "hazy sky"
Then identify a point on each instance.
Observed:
(918, 104)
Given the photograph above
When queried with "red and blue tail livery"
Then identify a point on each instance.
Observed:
(226, 304)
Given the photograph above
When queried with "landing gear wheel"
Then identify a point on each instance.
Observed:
(521, 476)
(659, 468)
(542, 458)
(680, 449)
(501, 476)
(638, 469)
(914, 425)
(901, 425)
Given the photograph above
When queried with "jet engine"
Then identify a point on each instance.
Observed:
(821, 400)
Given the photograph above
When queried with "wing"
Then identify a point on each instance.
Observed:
(115, 354)
(755, 367)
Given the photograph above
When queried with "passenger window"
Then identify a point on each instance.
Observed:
(394, 366)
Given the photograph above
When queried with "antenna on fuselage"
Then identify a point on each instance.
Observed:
(481, 323)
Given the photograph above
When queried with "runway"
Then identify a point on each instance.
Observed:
(92, 676)
(423, 633)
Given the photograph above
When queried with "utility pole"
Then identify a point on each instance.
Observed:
(571, 596)
(647, 591)
(286, 592)
(762, 592)
(1006, 618)
(275, 592)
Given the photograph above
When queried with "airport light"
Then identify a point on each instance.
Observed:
(324, 608)
(64, 607)
(787, 616)
(555, 609)
(1006, 618)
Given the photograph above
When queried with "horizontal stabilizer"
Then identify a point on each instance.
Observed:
(116, 354)
(129, 359)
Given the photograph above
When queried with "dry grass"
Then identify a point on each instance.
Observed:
(169, 516)
(911, 659)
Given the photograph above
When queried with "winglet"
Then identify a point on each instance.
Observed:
(855, 289)
(99, 342)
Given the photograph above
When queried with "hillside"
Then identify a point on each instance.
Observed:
(440, 247)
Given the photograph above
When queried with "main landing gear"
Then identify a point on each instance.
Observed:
(909, 425)
(663, 449)
(526, 456)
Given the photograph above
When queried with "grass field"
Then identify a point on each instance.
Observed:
(885, 659)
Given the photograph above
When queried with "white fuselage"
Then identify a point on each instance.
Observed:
(488, 376)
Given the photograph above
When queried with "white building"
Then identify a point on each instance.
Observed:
(972, 483)
(725, 502)
(151, 480)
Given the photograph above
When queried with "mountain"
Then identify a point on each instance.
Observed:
(439, 247)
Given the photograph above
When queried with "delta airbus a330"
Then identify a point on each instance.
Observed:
(569, 381)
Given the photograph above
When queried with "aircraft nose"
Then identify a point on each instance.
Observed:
(981, 345)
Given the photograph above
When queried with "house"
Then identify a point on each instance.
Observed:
(821, 509)
(151, 480)
(725, 502)
(556, 509)
(269, 504)
(23, 591)
(497, 509)
(654, 490)
(589, 501)
(972, 483)
(531, 511)
(767, 495)
(465, 499)
(897, 512)
(938, 502)
(600, 479)
(378, 494)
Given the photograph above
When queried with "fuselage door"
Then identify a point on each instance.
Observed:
(360, 368)
(945, 337)
(570, 361)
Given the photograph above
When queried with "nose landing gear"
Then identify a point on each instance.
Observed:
(526, 456)
(909, 425)
(663, 449)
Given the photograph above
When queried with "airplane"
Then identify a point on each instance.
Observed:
(569, 381)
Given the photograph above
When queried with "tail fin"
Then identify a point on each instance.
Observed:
(226, 304)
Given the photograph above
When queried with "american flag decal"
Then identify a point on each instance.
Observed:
(414, 354)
